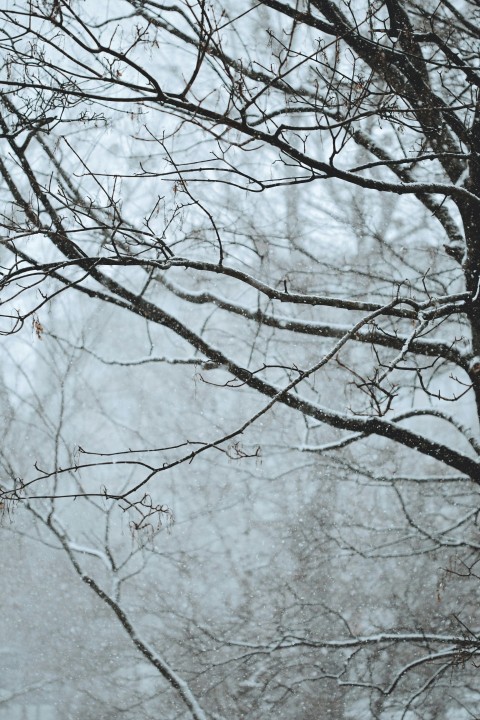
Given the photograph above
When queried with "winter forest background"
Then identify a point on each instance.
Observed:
(240, 377)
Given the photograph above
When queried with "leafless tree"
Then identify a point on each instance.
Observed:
(200, 165)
